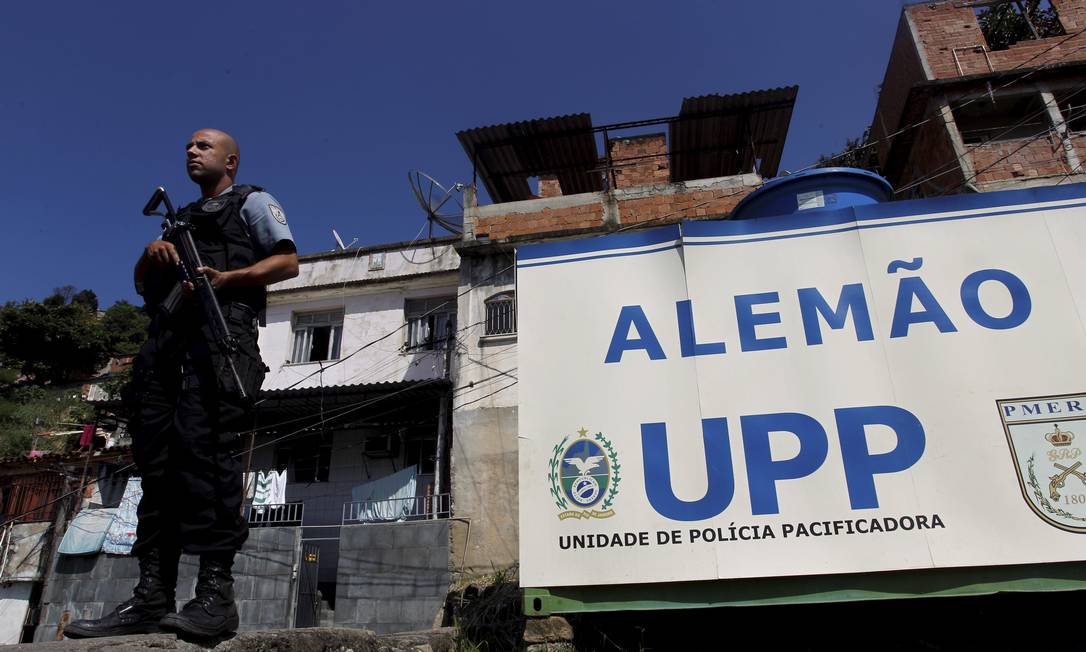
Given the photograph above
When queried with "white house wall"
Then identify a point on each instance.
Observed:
(373, 307)
(484, 443)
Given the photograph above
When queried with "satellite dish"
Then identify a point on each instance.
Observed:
(339, 241)
(441, 205)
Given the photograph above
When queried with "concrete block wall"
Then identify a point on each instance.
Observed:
(393, 577)
(90, 586)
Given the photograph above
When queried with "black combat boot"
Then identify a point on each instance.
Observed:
(152, 599)
(212, 613)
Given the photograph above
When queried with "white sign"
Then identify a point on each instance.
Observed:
(889, 387)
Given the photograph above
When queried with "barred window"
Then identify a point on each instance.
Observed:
(317, 336)
(431, 323)
(501, 314)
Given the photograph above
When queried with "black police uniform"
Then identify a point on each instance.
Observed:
(185, 418)
(187, 414)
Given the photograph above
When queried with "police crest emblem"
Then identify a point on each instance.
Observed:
(1047, 455)
(584, 476)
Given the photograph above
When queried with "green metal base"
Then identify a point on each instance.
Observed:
(944, 582)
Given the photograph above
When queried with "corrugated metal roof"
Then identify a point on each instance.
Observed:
(506, 155)
(389, 400)
(722, 135)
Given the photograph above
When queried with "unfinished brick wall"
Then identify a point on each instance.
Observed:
(639, 160)
(545, 220)
(942, 27)
(902, 71)
(1021, 158)
(659, 204)
(549, 186)
(932, 152)
(666, 209)
(1072, 14)
(1079, 142)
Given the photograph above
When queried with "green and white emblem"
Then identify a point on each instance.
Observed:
(584, 476)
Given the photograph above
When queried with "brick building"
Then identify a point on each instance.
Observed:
(564, 177)
(996, 94)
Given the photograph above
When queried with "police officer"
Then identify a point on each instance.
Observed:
(186, 412)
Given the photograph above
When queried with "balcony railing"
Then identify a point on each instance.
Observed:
(413, 508)
(283, 515)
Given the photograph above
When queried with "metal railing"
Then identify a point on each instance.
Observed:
(281, 515)
(413, 508)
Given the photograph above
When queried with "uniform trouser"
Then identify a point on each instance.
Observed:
(186, 443)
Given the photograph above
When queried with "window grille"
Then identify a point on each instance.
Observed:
(501, 314)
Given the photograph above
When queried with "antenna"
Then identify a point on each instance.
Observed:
(339, 241)
(441, 204)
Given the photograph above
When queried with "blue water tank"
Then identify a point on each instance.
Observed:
(821, 189)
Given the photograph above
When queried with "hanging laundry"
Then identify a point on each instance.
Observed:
(87, 438)
(122, 531)
(248, 485)
(279, 487)
(262, 494)
(87, 532)
(112, 483)
(391, 498)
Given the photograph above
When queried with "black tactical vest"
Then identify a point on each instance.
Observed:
(222, 240)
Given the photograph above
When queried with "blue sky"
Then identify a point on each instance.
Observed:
(333, 102)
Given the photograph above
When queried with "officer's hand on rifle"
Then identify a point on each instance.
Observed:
(162, 253)
(217, 278)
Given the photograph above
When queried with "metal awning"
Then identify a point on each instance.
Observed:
(506, 155)
(401, 402)
(712, 136)
(723, 135)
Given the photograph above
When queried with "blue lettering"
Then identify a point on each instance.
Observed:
(812, 303)
(633, 316)
(860, 465)
(1074, 406)
(1021, 304)
(1034, 409)
(914, 286)
(762, 471)
(718, 471)
(748, 338)
(688, 341)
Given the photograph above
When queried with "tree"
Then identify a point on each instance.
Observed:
(857, 153)
(51, 343)
(86, 298)
(125, 328)
(1007, 23)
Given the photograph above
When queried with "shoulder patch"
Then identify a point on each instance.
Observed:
(278, 214)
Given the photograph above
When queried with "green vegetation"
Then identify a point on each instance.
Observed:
(1007, 23)
(47, 350)
(857, 153)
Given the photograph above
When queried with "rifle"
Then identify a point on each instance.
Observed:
(179, 231)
